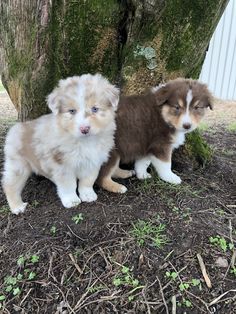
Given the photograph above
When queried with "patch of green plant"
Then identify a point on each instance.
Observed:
(53, 230)
(13, 284)
(203, 127)
(125, 278)
(221, 243)
(171, 274)
(185, 302)
(4, 209)
(146, 232)
(231, 127)
(167, 191)
(96, 288)
(233, 271)
(184, 213)
(78, 218)
(35, 203)
(228, 152)
(198, 148)
(183, 286)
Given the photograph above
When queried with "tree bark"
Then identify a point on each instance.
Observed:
(134, 43)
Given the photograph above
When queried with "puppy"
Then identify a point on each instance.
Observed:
(70, 143)
(150, 126)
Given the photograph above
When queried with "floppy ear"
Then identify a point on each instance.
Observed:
(162, 94)
(210, 105)
(54, 101)
(113, 95)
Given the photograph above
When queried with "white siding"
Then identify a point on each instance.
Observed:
(219, 67)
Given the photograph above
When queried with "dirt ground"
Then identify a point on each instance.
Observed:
(132, 253)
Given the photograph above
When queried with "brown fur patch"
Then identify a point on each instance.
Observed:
(58, 157)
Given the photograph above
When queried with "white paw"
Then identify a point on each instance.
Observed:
(69, 201)
(171, 178)
(122, 189)
(20, 209)
(87, 195)
(143, 175)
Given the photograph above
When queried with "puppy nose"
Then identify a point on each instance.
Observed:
(84, 129)
(187, 126)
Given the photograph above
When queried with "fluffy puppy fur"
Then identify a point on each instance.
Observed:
(150, 126)
(70, 143)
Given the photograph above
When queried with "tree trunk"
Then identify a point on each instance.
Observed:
(135, 43)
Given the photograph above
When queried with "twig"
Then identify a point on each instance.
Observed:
(75, 264)
(162, 295)
(204, 272)
(173, 301)
(232, 262)
(26, 296)
(76, 235)
(50, 271)
(216, 300)
(146, 302)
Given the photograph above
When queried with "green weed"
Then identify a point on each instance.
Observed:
(232, 127)
(221, 243)
(53, 230)
(78, 218)
(233, 271)
(12, 285)
(146, 232)
(4, 209)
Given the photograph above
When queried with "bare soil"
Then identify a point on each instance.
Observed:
(131, 253)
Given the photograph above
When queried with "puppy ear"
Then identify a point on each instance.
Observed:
(113, 95)
(210, 104)
(53, 101)
(162, 94)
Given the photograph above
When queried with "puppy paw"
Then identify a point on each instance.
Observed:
(69, 201)
(87, 195)
(172, 178)
(143, 175)
(19, 209)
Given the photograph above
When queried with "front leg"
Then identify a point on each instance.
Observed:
(66, 188)
(141, 166)
(161, 160)
(86, 183)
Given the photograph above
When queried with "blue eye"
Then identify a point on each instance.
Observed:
(72, 111)
(94, 109)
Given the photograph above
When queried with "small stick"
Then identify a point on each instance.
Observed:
(220, 297)
(75, 264)
(162, 295)
(232, 262)
(173, 301)
(204, 272)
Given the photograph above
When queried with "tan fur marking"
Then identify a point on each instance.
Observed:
(58, 157)
(111, 186)
(123, 174)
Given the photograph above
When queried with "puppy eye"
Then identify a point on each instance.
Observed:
(72, 111)
(94, 109)
(177, 107)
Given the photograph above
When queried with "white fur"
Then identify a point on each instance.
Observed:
(141, 166)
(82, 155)
(164, 171)
(186, 119)
(178, 139)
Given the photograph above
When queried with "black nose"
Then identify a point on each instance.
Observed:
(187, 126)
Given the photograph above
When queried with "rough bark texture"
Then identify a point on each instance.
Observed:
(135, 43)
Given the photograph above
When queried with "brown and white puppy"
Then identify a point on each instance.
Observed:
(70, 143)
(150, 126)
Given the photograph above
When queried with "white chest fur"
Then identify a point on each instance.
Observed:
(178, 139)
